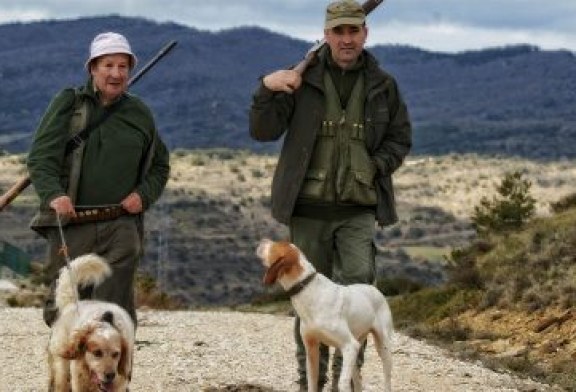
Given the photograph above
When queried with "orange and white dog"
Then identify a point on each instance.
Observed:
(92, 342)
(338, 316)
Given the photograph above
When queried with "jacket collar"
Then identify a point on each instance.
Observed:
(314, 73)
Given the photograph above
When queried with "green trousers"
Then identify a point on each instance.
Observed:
(119, 241)
(341, 247)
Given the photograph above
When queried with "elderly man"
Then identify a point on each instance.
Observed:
(98, 192)
(346, 130)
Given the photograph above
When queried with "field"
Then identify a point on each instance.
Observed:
(203, 230)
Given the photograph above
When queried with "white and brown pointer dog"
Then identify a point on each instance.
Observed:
(338, 316)
(92, 342)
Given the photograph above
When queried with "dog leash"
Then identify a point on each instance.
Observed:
(64, 251)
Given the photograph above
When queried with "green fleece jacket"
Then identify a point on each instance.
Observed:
(114, 153)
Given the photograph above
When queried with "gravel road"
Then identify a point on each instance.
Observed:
(229, 351)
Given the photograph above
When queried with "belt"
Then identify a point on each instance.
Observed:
(97, 214)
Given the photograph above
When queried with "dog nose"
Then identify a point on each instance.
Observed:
(110, 376)
(261, 248)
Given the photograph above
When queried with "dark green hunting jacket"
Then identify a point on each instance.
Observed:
(299, 116)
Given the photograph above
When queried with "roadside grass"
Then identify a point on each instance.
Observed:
(514, 289)
(431, 253)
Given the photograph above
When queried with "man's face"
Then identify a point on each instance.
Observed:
(346, 42)
(110, 74)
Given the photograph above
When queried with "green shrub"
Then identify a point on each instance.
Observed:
(432, 304)
(150, 295)
(462, 270)
(564, 203)
(397, 286)
(509, 210)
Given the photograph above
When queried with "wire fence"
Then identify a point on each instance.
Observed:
(14, 259)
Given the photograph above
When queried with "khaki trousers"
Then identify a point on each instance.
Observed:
(341, 247)
(119, 241)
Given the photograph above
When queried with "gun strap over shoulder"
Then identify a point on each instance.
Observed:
(78, 139)
(78, 122)
(73, 165)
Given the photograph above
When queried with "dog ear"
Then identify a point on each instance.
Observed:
(125, 363)
(107, 317)
(280, 267)
(76, 346)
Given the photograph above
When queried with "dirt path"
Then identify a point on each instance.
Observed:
(227, 351)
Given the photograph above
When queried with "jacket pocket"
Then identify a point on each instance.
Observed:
(377, 125)
(314, 186)
(360, 189)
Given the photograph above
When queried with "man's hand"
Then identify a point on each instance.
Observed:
(283, 80)
(63, 206)
(132, 203)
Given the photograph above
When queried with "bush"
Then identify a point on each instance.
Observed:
(510, 210)
(149, 295)
(564, 203)
(397, 286)
(462, 270)
(432, 304)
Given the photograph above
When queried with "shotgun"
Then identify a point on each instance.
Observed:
(367, 6)
(24, 182)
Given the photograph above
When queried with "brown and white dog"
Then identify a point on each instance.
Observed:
(91, 344)
(338, 316)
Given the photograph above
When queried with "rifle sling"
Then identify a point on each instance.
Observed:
(76, 141)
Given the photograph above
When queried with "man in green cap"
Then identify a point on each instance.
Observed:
(346, 130)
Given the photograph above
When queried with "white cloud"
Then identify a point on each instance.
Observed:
(440, 25)
(449, 37)
(21, 15)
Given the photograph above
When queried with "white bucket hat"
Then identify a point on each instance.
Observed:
(110, 43)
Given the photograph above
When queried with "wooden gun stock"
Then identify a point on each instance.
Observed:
(24, 182)
(368, 6)
(14, 191)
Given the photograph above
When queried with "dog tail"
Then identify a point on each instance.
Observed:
(86, 270)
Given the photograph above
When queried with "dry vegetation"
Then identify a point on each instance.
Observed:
(216, 207)
(456, 183)
(453, 183)
(509, 299)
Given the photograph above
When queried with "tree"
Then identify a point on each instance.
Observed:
(510, 209)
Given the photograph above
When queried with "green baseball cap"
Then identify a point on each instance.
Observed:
(344, 12)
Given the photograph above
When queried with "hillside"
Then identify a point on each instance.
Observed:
(513, 101)
(509, 299)
(204, 230)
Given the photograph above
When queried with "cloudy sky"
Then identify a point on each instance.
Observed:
(438, 25)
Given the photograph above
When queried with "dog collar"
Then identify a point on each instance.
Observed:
(298, 287)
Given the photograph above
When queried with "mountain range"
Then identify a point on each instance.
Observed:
(517, 100)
